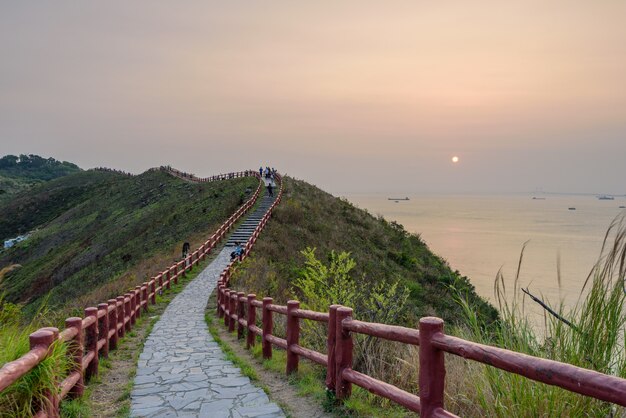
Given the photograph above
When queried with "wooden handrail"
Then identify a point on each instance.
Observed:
(567, 376)
(110, 321)
(388, 332)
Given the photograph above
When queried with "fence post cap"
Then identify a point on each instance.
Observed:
(432, 321)
(251, 296)
(268, 299)
(344, 310)
(293, 303)
(112, 301)
(92, 311)
(74, 318)
(43, 336)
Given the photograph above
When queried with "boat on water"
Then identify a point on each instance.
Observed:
(538, 198)
(622, 207)
(605, 197)
(397, 199)
(571, 208)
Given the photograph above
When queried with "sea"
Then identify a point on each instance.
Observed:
(480, 235)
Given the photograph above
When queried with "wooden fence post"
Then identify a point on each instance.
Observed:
(113, 323)
(331, 370)
(91, 343)
(75, 353)
(138, 300)
(293, 335)
(128, 311)
(232, 310)
(268, 325)
(432, 373)
(160, 276)
(250, 336)
(240, 314)
(176, 273)
(45, 338)
(226, 299)
(343, 353)
(121, 316)
(131, 308)
(153, 291)
(168, 279)
(144, 297)
(220, 291)
(103, 328)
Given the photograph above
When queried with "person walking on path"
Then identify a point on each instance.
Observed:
(270, 190)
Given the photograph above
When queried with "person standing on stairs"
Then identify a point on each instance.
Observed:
(237, 253)
(270, 190)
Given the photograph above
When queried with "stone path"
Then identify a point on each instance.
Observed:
(182, 372)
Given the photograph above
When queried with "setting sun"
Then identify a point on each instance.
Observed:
(455, 159)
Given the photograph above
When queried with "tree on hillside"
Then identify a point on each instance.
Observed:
(34, 167)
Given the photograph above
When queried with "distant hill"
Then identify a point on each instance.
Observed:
(97, 233)
(21, 172)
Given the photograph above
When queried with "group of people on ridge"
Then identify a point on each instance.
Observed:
(269, 174)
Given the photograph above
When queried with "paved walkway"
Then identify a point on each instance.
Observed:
(182, 371)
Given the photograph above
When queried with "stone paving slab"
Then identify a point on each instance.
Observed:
(182, 372)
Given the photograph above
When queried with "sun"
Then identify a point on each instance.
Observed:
(455, 159)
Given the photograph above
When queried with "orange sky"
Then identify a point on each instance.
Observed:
(528, 94)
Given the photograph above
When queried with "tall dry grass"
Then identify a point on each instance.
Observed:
(589, 334)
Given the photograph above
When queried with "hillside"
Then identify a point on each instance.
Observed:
(383, 251)
(98, 233)
(18, 173)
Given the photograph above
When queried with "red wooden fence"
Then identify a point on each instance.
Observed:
(240, 311)
(191, 177)
(102, 327)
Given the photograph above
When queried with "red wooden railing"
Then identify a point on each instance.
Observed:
(102, 327)
(192, 177)
(239, 311)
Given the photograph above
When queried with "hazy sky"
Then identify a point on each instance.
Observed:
(352, 96)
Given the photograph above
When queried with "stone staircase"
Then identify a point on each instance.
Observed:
(246, 229)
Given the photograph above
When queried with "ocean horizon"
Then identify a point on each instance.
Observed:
(480, 234)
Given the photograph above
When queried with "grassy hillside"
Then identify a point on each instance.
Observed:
(383, 251)
(45, 201)
(20, 173)
(98, 233)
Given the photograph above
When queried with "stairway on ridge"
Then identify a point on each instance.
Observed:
(246, 229)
